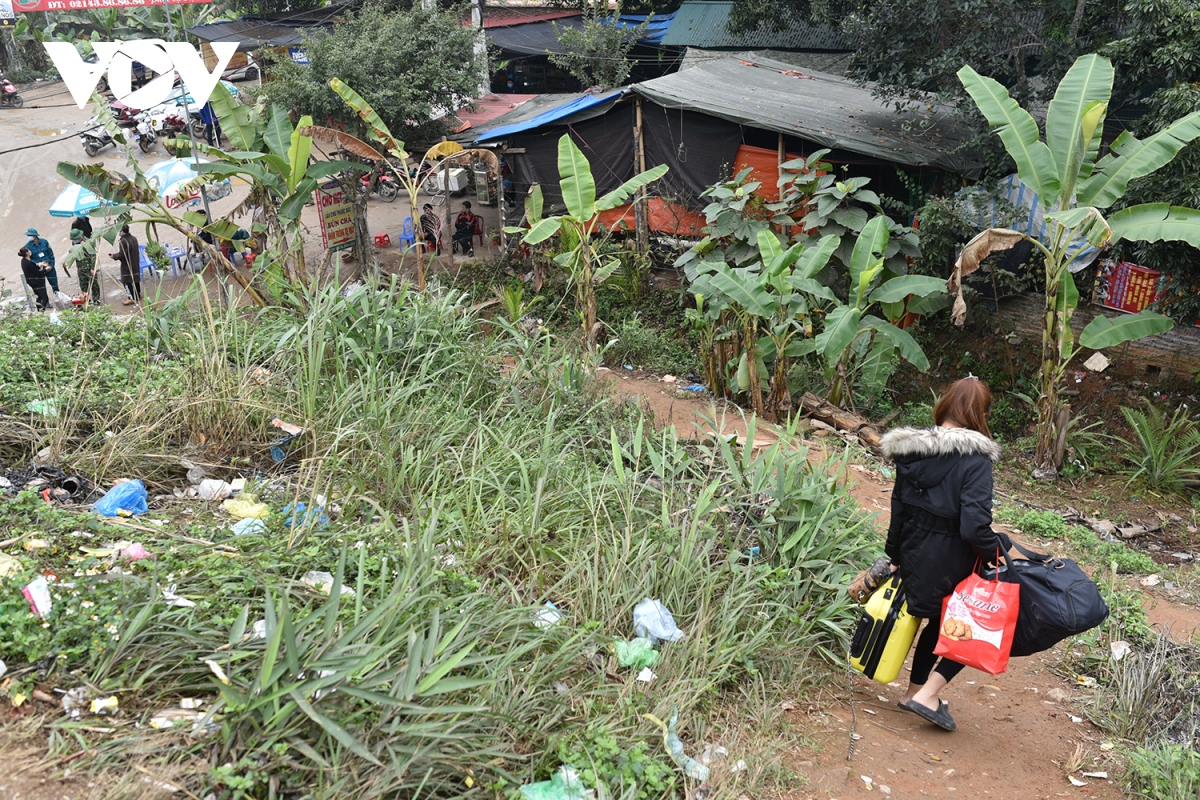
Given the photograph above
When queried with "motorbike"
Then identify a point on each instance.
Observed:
(381, 179)
(9, 95)
(95, 138)
(143, 132)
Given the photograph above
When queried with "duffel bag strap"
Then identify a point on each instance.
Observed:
(1031, 555)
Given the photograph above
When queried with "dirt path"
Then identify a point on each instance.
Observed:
(1012, 739)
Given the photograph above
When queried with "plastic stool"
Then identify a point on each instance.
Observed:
(382, 240)
(144, 262)
(409, 237)
(178, 260)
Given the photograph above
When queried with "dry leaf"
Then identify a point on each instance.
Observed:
(975, 251)
(351, 144)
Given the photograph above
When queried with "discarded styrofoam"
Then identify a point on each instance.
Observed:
(1097, 363)
(547, 615)
(213, 489)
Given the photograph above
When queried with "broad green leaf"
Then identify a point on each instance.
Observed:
(1088, 221)
(841, 326)
(769, 247)
(1130, 157)
(1067, 297)
(1104, 332)
(533, 204)
(877, 366)
(900, 287)
(108, 185)
(576, 181)
(865, 279)
(298, 153)
(741, 290)
(743, 374)
(1019, 133)
(375, 125)
(278, 133)
(542, 230)
(622, 193)
(605, 271)
(801, 347)
(294, 204)
(238, 122)
(1086, 86)
(870, 245)
(812, 287)
(1090, 134)
(910, 351)
(323, 169)
(815, 257)
(445, 668)
(783, 261)
(931, 303)
(1156, 222)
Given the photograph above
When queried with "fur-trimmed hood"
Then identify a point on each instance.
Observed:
(939, 441)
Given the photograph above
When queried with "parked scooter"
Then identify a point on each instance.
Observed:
(381, 179)
(8, 94)
(143, 132)
(95, 137)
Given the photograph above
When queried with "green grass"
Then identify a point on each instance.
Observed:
(475, 477)
(1083, 541)
(1164, 770)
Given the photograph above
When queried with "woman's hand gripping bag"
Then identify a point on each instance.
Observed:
(979, 619)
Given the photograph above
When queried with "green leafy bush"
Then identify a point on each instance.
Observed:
(1165, 450)
(1164, 770)
(635, 343)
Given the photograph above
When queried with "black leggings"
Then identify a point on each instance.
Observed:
(923, 657)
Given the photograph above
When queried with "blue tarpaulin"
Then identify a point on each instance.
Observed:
(593, 103)
(655, 31)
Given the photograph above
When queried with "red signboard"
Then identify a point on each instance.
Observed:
(88, 5)
(1126, 287)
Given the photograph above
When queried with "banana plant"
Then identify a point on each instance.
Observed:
(586, 267)
(274, 158)
(1065, 171)
(851, 338)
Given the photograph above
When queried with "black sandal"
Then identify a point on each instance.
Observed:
(941, 717)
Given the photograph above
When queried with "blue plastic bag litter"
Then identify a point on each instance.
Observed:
(127, 496)
(302, 515)
(694, 387)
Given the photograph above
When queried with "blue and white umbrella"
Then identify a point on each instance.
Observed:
(171, 176)
(75, 201)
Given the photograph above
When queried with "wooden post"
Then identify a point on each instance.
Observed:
(500, 204)
(641, 209)
(781, 156)
(446, 225)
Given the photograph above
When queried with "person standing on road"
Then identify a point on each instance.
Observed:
(41, 252)
(85, 266)
(212, 125)
(35, 278)
(129, 254)
(941, 524)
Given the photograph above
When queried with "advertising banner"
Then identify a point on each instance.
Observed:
(337, 216)
(1126, 287)
(27, 6)
(7, 17)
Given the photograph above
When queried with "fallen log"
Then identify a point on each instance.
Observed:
(842, 420)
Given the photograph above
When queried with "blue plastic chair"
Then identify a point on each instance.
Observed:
(145, 264)
(409, 237)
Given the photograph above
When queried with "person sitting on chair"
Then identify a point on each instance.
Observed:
(431, 229)
(465, 230)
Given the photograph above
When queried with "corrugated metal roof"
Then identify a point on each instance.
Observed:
(705, 23)
(571, 108)
(659, 24)
(830, 111)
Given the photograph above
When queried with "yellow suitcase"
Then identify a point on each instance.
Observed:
(884, 634)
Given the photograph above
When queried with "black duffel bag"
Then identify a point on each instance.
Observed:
(1058, 600)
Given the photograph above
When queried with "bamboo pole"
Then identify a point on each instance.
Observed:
(641, 205)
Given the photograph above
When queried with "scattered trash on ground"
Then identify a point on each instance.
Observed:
(1101, 775)
(547, 615)
(246, 507)
(216, 670)
(45, 408)
(565, 785)
(135, 552)
(8, 565)
(127, 496)
(639, 653)
(172, 599)
(75, 701)
(1119, 650)
(690, 766)
(250, 526)
(302, 515)
(212, 489)
(279, 447)
(323, 583)
(652, 620)
(104, 705)
(37, 592)
(1150, 580)
(1097, 363)
(1075, 781)
(694, 387)
(646, 675)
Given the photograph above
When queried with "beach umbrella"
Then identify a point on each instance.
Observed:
(169, 177)
(75, 201)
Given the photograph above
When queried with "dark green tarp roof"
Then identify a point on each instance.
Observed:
(705, 23)
(830, 111)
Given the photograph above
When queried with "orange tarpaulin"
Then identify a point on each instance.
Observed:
(765, 166)
(665, 217)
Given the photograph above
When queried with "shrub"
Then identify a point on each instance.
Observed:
(1164, 770)
(1044, 524)
(636, 344)
(1165, 451)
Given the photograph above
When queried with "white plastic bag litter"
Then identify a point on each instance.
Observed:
(652, 620)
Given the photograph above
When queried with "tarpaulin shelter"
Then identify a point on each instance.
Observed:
(705, 120)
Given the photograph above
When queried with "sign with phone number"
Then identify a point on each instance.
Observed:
(337, 216)
(29, 6)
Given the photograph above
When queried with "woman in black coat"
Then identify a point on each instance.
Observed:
(941, 524)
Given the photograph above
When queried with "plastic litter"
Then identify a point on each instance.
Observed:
(3, 669)
(323, 583)
(694, 387)
(212, 489)
(33, 545)
(279, 446)
(565, 785)
(104, 705)
(37, 592)
(135, 552)
(638, 653)
(8, 565)
(303, 515)
(172, 599)
(246, 507)
(181, 718)
(1119, 649)
(216, 670)
(75, 701)
(47, 408)
(690, 766)
(127, 496)
(547, 615)
(652, 620)
(251, 526)
(646, 675)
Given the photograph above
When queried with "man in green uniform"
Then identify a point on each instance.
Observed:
(89, 281)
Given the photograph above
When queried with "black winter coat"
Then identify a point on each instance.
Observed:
(941, 510)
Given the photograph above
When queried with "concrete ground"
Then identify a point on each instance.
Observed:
(34, 139)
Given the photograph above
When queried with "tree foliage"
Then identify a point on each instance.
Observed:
(409, 65)
(597, 54)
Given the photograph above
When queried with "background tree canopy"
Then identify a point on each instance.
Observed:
(410, 65)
